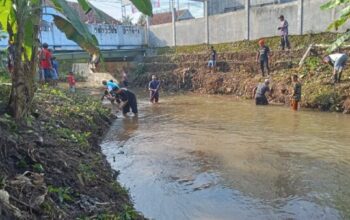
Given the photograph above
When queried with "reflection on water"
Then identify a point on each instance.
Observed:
(194, 157)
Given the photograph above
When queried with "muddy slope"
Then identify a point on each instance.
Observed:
(238, 73)
(52, 167)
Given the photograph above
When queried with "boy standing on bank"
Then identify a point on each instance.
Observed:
(296, 96)
(71, 82)
(212, 59)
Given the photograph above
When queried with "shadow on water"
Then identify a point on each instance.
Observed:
(208, 157)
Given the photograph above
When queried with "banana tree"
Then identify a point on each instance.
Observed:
(340, 21)
(21, 20)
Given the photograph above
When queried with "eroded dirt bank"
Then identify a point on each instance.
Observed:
(238, 73)
(52, 167)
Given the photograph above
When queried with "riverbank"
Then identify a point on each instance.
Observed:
(184, 68)
(52, 166)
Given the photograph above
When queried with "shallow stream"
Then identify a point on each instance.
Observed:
(212, 157)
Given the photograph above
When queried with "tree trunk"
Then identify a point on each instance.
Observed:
(22, 91)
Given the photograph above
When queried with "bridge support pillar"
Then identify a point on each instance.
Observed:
(300, 17)
(206, 17)
(247, 12)
(147, 31)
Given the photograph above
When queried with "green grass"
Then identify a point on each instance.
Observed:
(4, 77)
(297, 42)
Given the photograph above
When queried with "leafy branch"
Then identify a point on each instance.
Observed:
(340, 21)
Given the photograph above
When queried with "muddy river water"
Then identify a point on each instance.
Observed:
(209, 157)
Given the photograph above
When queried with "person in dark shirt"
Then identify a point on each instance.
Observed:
(129, 101)
(11, 56)
(263, 57)
(153, 87)
(260, 93)
(212, 59)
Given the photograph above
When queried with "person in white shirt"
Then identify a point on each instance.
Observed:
(338, 61)
(283, 28)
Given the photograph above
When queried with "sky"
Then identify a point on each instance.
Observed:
(114, 7)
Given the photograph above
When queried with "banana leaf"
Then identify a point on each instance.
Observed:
(74, 29)
(72, 33)
(333, 3)
(5, 11)
(144, 6)
(85, 6)
(335, 45)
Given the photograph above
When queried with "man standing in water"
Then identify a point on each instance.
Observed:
(153, 87)
(260, 93)
(296, 96)
(338, 61)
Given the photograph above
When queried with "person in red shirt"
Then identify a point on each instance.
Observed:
(71, 82)
(45, 62)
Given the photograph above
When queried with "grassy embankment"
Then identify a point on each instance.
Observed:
(51, 165)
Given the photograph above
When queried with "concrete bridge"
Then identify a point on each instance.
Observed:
(117, 42)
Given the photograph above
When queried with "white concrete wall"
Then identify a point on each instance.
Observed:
(161, 35)
(231, 27)
(226, 27)
(190, 32)
(316, 20)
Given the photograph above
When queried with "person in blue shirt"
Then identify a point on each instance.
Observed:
(111, 88)
(153, 87)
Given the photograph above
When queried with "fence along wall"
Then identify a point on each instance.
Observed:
(303, 16)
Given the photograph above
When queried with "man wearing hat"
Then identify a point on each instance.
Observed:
(263, 57)
(283, 28)
(260, 93)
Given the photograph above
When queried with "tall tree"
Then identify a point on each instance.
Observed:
(21, 20)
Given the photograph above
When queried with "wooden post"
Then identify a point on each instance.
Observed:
(306, 54)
